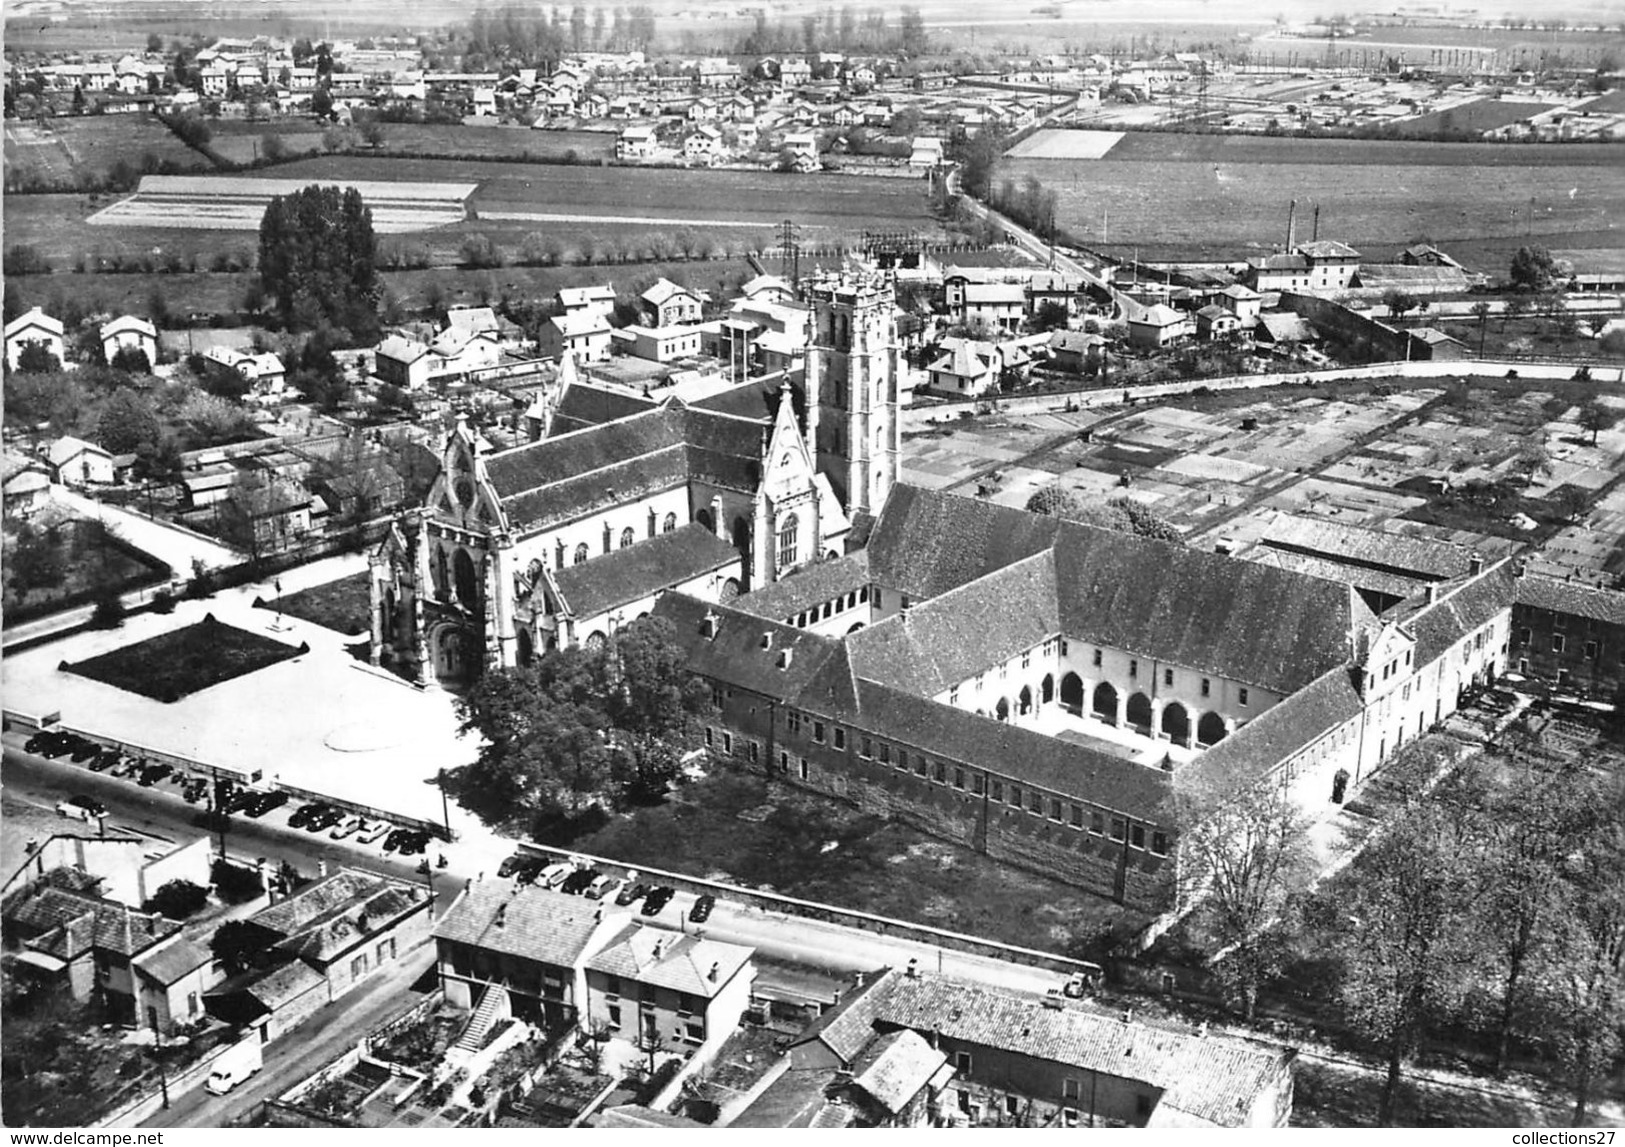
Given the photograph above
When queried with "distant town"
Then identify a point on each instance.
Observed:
(1080, 561)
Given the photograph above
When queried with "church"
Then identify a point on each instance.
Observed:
(621, 498)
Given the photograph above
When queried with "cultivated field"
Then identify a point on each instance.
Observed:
(231, 203)
(1216, 196)
(430, 139)
(71, 146)
(1478, 116)
(1054, 144)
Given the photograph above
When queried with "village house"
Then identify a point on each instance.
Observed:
(129, 332)
(967, 368)
(671, 991)
(1157, 326)
(33, 326)
(401, 361)
(75, 462)
(1076, 352)
(1000, 306)
(263, 372)
(583, 336)
(598, 300)
(660, 344)
(703, 144)
(1569, 634)
(667, 304)
(635, 142)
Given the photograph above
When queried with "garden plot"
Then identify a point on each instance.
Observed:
(229, 203)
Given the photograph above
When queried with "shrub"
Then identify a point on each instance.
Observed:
(235, 883)
(178, 899)
(163, 601)
(109, 611)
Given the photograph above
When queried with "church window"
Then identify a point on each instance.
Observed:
(670, 524)
(787, 542)
(703, 517)
(829, 607)
(581, 553)
(626, 537)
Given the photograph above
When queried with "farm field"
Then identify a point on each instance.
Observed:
(1186, 196)
(247, 146)
(454, 139)
(233, 203)
(70, 146)
(1475, 117)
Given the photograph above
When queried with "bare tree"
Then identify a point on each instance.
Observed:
(1242, 857)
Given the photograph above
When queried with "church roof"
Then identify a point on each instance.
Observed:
(1281, 730)
(642, 569)
(582, 405)
(926, 543)
(808, 588)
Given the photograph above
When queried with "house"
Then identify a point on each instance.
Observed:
(967, 369)
(1215, 322)
(457, 351)
(926, 152)
(890, 1079)
(1426, 255)
(746, 134)
(667, 303)
(702, 111)
(767, 288)
(660, 344)
(738, 109)
(503, 951)
(1001, 306)
(27, 490)
(1157, 326)
(33, 326)
(263, 372)
(802, 148)
(75, 462)
(129, 332)
(717, 72)
(401, 361)
(1053, 287)
(474, 320)
(703, 144)
(669, 991)
(594, 105)
(1243, 302)
(1279, 272)
(216, 79)
(1429, 344)
(599, 300)
(321, 942)
(794, 72)
(1281, 329)
(635, 143)
(171, 979)
(64, 933)
(1018, 1062)
(1076, 352)
(583, 336)
(1331, 265)
(1569, 634)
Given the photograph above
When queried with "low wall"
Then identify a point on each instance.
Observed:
(812, 910)
(135, 1113)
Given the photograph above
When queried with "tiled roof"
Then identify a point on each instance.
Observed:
(995, 293)
(794, 1099)
(401, 349)
(631, 1115)
(577, 323)
(664, 290)
(1327, 249)
(968, 358)
(1406, 274)
(1281, 730)
(646, 567)
(896, 1067)
(67, 924)
(616, 484)
(581, 296)
(1571, 598)
(735, 655)
(1378, 581)
(1459, 610)
(926, 542)
(956, 635)
(1287, 327)
(1280, 262)
(536, 923)
(681, 963)
(281, 985)
(324, 918)
(808, 588)
(561, 457)
(583, 405)
(1406, 554)
(1213, 1078)
(847, 1028)
(169, 963)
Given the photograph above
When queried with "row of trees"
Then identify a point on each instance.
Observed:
(844, 31)
(1491, 907)
(525, 36)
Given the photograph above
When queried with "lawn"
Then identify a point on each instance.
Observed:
(90, 558)
(803, 845)
(70, 146)
(344, 606)
(1199, 196)
(185, 661)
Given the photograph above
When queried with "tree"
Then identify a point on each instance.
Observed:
(1398, 302)
(36, 560)
(1532, 269)
(1050, 315)
(1122, 514)
(108, 612)
(1243, 856)
(1596, 417)
(238, 946)
(321, 104)
(478, 250)
(178, 899)
(318, 260)
(127, 421)
(131, 360)
(1407, 950)
(1513, 308)
(1481, 312)
(254, 516)
(35, 357)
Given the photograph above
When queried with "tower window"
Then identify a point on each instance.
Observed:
(581, 553)
(626, 537)
(788, 530)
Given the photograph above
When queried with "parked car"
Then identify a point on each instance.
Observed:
(39, 742)
(394, 840)
(530, 868)
(414, 842)
(658, 899)
(324, 819)
(605, 886)
(81, 808)
(152, 774)
(83, 750)
(349, 828)
(266, 802)
(577, 882)
(301, 815)
(554, 874)
(701, 912)
(56, 745)
(511, 865)
(105, 760)
(632, 892)
(376, 833)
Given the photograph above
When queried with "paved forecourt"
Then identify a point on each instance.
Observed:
(322, 721)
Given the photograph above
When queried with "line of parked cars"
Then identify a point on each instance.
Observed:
(576, 879)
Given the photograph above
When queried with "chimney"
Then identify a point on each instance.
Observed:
(1315, 237)
(659, 945)
(1475, 564)
(502, 916)
(713, 973)
(913, 969)
(1128, 1015)
(1291, 226)
(857, 980)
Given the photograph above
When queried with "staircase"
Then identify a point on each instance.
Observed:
(480, 1023)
